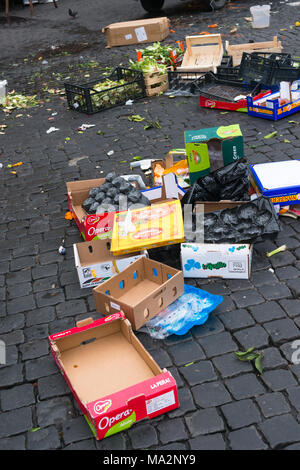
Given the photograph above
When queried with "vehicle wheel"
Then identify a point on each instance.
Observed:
(217, 4)
(152, 5)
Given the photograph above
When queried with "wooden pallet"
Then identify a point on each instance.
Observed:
(156, 83)
(203, 54)
(236, 50)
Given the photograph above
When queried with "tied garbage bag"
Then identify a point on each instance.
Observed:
(192, 308)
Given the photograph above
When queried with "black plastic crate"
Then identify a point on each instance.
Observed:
(256, 68)
(214, 88)
(184, 83)
(269, 68)
(86, 99)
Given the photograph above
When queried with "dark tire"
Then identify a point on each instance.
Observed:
(152, 6)
(216, 4)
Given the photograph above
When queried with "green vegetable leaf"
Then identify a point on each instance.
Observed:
(269, 136)
(258, 363)
(137, 158)
(136, 118)
(34, 429)
(243, 353)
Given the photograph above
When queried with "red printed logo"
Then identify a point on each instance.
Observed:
(101, 407)
(210, 104)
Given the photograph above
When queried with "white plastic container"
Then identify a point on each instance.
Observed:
(3, 84)
(261, 16)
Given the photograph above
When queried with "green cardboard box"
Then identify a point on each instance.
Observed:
(213, 148)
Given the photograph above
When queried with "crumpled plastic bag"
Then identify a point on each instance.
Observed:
(191, 308)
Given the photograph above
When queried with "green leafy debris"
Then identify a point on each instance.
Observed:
(269, 136)
(251, 355)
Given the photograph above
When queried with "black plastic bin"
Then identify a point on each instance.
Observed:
(214, 88)
(184, 83)
(86, 99)
(226, 71)
(269, 69)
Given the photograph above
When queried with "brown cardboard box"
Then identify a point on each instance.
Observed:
(113, 378)
(137, 32)
(141, 291)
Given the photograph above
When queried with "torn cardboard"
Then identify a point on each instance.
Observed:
(95, 263)
(111, 375)
(137, 32)
(141, 291)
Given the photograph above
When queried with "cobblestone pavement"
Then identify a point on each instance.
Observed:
(224, 403)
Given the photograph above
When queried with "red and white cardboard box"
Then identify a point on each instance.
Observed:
(113, 378)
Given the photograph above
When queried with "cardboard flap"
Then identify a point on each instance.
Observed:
(84, 322)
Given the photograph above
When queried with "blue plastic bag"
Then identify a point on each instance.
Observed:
(190, 309)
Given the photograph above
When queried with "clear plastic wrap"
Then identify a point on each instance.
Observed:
(192, 308)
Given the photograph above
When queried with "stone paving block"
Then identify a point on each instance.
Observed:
(11, 375)
(280, 430)
(294, 286)
(294, 396)
(255, 336)
(272, 358)
(43, 439)
(20, 304)
(198, 372)
(210, 394)
(172, 446)
(291, 307)
(36, 332)
(278, 379)
(247, 298)
(114, 442)
(282, 330)
(75, 430)
(272, 404)
(13, 443)
(186, 352)
(186, 403)
(228, 365)
(218, 344)
(246, 439)
(210, 442)
(34, 349)
(287, 272)
(212, 326)
(52, 386)
(41, 367)
(143, 436)
(275, 291)
(203, 422)
(54, 411)
(13, 322)
(15, 421)
(171, 430)
(71, 307)
(240, 414)
(17, 397)
(267, 312)
(236, 320)
(40, 316)
(51, 297)
(11, 356)
(244, 386)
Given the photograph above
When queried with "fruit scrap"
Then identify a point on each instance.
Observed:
(278, 250)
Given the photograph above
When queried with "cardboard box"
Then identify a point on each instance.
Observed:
(111, 375)
(213, 148)
(182, 176)
(137, 32)
(149, 227)
(95, 263)
(279, 181)
(141, 291)
(99, 226)
(227, 261)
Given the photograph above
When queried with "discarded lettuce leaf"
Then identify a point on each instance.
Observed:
(269, 136)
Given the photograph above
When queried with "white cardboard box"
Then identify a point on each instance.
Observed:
(95, 263)
(216, 260)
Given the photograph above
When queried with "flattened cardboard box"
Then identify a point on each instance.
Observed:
(111, 375)
(137, 32)
(228, 261)
(140, 291)
(95, 263)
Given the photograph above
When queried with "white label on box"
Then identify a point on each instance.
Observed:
(116, 306)
(160, 402)
(128, 36)
(141, 34)
(236, 267)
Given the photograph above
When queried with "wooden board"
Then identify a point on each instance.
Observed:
(203, 53)
(156, 83)
(236, 50)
